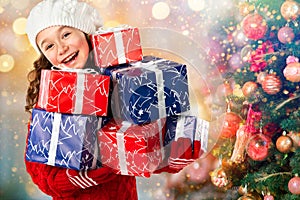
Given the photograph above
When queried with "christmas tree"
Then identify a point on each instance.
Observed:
(259, 145)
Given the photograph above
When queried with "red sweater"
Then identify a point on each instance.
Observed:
(68, 184)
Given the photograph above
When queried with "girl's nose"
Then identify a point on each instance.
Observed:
(62, 48)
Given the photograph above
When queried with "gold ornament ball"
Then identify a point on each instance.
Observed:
(249, 88)
(290, 10)
(295, 136)
(284, 144)
(292, 72)
(242, 190)
(250, 196)
(219, 178)
(271, 84)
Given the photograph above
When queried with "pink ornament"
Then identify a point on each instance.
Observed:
(239, 38)
(292, 72)
(291, 59)
(213, 50)
(235, 62)
(294, 185)
(254, 26)
(286, 34)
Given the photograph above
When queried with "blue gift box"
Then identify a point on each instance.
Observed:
(63, 140)
(151, 89)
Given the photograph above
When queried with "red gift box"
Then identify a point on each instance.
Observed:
(74, 92)
(116, 46)
(131, 149)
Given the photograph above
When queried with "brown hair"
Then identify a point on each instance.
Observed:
(34, 76)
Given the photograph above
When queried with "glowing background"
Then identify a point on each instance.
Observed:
(174, 29)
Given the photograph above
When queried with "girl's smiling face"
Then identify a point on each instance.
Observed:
(64, 46)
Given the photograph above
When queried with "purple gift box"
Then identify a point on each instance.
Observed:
(151, 89)
(63, 140)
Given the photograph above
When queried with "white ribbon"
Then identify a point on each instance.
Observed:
(138, 64)
(202, 129)
(160, 90)
(54, 138)
(120, 47)
(121, 147)
(179, 132)
(161, 139)
(102, 30)
(79, 93)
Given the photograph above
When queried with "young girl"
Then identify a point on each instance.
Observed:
(58, 30)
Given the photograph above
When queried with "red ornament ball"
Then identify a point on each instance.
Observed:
(284, 144)
(292, 72)
(271, 84)
(290, 10)
(230, 125)
(249, 88)
(258, 147)
(254, 26)
(294, 185)
(285, 34)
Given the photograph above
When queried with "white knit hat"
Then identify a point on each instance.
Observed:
(61, 12)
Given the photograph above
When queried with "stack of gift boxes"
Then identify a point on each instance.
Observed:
(131, 117)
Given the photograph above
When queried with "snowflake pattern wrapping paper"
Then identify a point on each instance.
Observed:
(116, 46)
(150, 89)
(74, 92)
(63, 140)
(131, 149)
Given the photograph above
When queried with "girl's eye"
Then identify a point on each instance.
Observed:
(65, 35)
(49, 46)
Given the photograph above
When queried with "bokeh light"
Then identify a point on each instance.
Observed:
(196, 5)
(19, 25)
(160, 10)
(6, 63)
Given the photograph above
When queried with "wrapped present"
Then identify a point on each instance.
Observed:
(63, 140)
(131, 149)
(74, 92)
(187, 138)
(116, 45)
(150, 89)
